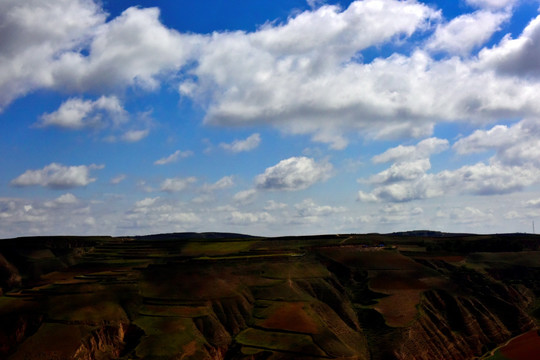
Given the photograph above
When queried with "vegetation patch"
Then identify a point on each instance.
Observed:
(208, 248)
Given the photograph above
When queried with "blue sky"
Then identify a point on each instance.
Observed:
(268, 117)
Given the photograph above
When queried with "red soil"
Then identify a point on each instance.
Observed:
(524, 347)
(399, 309)
(371, 260)
(291, 317)
(397, 280)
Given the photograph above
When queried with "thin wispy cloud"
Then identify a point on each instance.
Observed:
(174, 157)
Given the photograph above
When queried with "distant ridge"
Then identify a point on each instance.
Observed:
(440, 234)
(194, 235)
(429, 233)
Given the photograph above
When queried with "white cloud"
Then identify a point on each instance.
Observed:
(520, 56)
(146, 202)
(132, 49)
(466, 32)
(367, 197)
(68, 45)
(38, 32)
(315, 3)
(57, 176)
(245, 196)
(343, 32)
(223, 183)
(67, 199)
(176, 184)
(515, 145)
(466, 214)
(63, 200)
(249, 218)
(299, 75)
(489, 179)
(303, 76)
(174, 157)
(514, 166)
(296, 173)
(491, 4)
(135, 135)
(533, 203)
(272, 205)
(118, 179)
(158, 213)
(400, 96)
(243, 145)
(423, 149)
(308, 208)
(478, 179)
(64, 215)
(76, 114)
(402, 171)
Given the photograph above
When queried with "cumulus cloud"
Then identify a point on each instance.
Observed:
(174, 157)
(514, 167)
(177, 184)
(466, 32)
(133, 49)
(399, 96)
(520, 56)
(478, 179)
(39, 31)
(270, 77)
(402, 171)
(76, 114)
(296, 173)
(68, 45)
(57, 176)
(243, 145)
(514, 145)
(304, 76)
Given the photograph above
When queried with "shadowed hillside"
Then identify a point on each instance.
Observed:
(413, 295)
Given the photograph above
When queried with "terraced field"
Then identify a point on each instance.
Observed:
(204, 296)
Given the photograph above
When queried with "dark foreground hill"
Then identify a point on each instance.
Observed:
(414, 295)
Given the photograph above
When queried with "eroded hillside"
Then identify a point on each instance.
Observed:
(227, 296)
